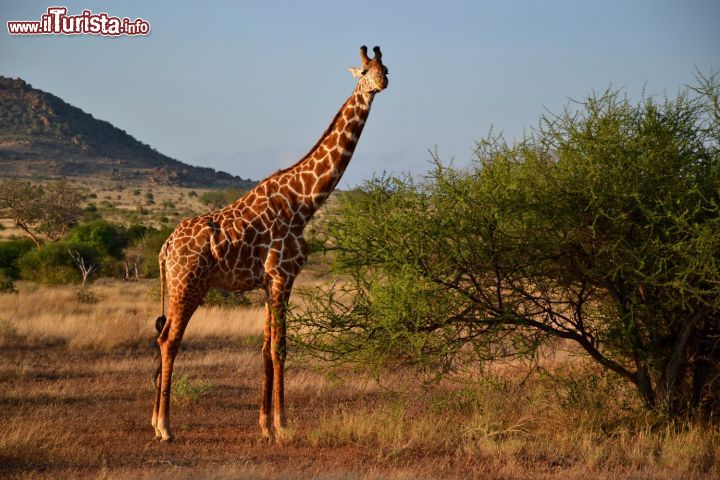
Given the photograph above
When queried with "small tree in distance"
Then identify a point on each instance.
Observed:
(602, 228)
(17, 202)
(50, 209)
(86, 268)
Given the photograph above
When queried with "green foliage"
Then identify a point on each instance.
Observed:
(602, 228)
(107, 238)
(10, 252)
(227, 300)
(136, 232)
(7, 283)
(184, 389)
(149, 246)
(219, 198)
(53, 264)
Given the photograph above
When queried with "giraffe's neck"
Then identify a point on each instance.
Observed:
(307, 184)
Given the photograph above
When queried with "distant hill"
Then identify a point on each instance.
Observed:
(43, 137)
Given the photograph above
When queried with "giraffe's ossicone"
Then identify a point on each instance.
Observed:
(257, 243)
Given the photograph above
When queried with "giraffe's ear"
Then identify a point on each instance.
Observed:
(355, 71)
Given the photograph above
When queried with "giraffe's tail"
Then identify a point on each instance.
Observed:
(161, 262)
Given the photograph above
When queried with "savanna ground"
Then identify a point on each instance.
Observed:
(76, 398)
(141, 202)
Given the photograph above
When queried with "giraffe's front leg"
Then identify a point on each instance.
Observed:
(278, 351)
(267, 383)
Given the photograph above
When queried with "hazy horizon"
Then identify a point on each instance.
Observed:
(248, 88)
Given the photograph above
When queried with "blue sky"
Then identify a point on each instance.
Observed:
(248, 87)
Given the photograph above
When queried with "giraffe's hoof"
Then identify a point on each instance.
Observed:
(154, 424)
(266, 434)
(164, 432)
(284, 434)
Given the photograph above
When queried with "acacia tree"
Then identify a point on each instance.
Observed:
(60, 208)
(50, 209)
(601, 228)
(17, 203)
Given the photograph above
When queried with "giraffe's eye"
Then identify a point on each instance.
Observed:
(363, 72)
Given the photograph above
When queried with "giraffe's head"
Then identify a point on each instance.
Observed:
(372, 74)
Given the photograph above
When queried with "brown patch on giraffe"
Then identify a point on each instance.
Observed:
(330, 140)
(296, 184)
(320, 152)
(249, 236)
(292, 248)
(346, 143)
(308, 179)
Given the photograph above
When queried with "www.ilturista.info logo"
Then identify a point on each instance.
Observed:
(57, 22)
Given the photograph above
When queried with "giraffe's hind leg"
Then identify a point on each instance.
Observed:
(279, 296)
(159, 325)
(180, 309)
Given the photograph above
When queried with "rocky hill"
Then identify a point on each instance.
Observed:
(43, 137)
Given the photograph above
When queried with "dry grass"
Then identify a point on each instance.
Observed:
(123, 316)
(75, 401)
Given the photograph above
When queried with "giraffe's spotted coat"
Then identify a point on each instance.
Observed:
(257, 243)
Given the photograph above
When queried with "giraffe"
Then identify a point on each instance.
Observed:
(257, 243)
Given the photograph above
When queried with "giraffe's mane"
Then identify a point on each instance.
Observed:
(325, 134)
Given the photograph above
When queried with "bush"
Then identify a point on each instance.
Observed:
(53, 264)
(227, 300)
(602, 228)
(219, 198)
(108, 238)
(86, 296)
(150, 248)
(136, 232)
(10, 252)
(7, 284)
